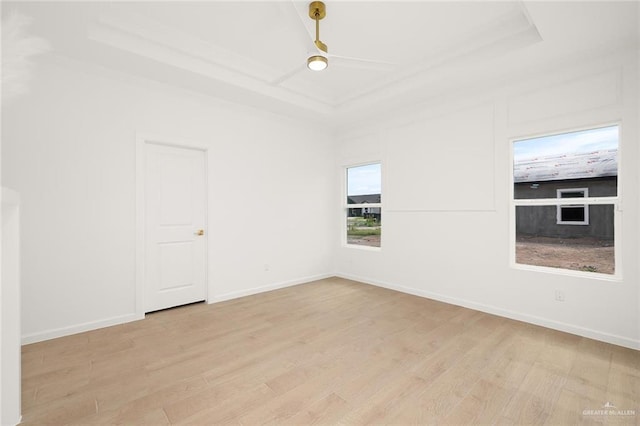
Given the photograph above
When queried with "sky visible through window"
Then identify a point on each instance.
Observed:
(364, 180)
(585, 141)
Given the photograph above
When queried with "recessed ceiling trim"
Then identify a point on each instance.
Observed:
(146, 46)
(169, 37)
(504, 34)
(242, 52)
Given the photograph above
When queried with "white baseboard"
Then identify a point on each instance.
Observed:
(265, 288)
(94, 325)
(532, 319)
(79, 328)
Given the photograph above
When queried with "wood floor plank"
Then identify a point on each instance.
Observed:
(536, 397)
(329, 352)
(326, 410)
(482, 405)
(127, 409)
(570, 403)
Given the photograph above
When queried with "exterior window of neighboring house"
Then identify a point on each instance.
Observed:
(550, 174)
(363, 207)
(574, 214)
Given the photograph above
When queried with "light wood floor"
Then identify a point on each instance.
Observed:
(329, 352)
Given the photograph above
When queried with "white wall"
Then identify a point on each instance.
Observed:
(10, 352)
(446, 215)
(69, 149)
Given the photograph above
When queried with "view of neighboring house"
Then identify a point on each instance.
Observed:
(593, 174)
(366, 212)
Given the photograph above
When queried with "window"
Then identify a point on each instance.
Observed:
(363, 207)
(550, 174)
(574, 214)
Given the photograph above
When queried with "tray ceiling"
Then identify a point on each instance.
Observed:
(254, 52)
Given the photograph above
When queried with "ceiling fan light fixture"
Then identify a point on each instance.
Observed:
(317, 63)
(318, 11)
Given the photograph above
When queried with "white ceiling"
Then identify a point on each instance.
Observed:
(255, 52)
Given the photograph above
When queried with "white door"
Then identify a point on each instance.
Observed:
(175, 239)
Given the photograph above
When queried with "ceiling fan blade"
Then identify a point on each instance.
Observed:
(298, 24)
(361, 63)
(308, 39)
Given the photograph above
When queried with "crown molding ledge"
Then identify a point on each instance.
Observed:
(169, 47)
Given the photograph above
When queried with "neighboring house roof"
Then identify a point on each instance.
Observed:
(363, 199)
(569, 166)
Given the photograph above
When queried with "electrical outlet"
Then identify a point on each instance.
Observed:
(266, 267)
(559, 296)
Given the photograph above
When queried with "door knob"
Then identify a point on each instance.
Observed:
(200, 232)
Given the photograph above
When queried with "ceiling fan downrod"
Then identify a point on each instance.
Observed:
(317, 11)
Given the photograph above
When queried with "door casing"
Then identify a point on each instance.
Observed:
(143, 140)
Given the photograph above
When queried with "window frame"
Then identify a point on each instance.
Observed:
(345, 206)
(585, 207)
(615, 201)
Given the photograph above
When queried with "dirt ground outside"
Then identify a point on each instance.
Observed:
(369, 241)
(579, 254)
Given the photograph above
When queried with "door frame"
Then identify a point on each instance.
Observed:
(143, 140)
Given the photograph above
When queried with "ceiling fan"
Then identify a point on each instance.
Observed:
(319, 55)
(317, 11)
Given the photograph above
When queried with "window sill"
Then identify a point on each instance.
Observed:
(568, 272)
(359, 247)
